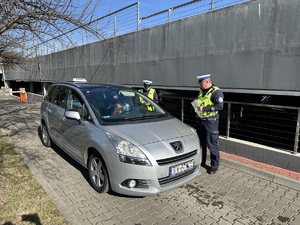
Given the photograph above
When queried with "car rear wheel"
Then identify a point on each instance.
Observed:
(98, 173)
(45, 136)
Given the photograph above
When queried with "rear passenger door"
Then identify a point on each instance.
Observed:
(56, 110)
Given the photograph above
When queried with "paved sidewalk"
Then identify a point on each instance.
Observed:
(237, 194)
(268, 172)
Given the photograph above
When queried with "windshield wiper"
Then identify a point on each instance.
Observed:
(155, 116)
(134, 118)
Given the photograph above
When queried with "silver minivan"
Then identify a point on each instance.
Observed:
(128, 147)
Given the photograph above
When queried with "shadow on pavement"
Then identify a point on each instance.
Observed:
(78, 166)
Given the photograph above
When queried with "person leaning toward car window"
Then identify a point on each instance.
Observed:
(210, 102)
(149, 91)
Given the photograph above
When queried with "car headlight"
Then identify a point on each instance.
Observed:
(128, 152)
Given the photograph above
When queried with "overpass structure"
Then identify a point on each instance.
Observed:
(252, 47)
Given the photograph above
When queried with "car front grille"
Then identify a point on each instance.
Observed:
(162, 162)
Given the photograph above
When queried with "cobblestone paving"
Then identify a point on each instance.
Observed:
(228, 197)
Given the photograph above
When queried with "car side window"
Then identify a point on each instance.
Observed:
(57, 95)
(75, 103)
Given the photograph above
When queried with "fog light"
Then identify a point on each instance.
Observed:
(131, 183)
(135, 183)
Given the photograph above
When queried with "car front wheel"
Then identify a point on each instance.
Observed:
(98, 173)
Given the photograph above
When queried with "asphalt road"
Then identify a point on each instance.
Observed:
(227, 197)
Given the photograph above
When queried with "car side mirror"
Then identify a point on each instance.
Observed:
(72, 115)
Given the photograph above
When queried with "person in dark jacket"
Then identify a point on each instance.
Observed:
(210, 102)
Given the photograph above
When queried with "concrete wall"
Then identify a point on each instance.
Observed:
(253, 45)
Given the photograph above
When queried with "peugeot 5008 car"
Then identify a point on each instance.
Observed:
(128, 143)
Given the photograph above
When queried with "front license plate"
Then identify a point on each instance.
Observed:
(181, 168)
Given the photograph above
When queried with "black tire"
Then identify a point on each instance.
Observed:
(46, 140)
(98, 173)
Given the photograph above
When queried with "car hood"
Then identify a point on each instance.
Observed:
(152, 132)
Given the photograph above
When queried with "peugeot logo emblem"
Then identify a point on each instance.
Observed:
(177, 145)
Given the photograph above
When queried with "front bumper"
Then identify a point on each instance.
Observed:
(152, 180)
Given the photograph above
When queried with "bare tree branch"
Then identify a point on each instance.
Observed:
(25, 22)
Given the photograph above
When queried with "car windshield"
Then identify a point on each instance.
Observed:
(115, 104)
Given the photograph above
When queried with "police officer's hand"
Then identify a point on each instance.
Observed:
(145, 103)
(200, 108)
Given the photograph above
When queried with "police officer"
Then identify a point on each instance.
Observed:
(148, 91)
(210, 102)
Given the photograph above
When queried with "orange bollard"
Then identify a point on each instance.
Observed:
(23, 95)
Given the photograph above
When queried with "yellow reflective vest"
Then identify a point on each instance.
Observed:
(150, 95)
(205, 100)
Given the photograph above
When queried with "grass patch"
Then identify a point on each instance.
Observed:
(22, 199)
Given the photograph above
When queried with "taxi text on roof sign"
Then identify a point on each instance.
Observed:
(79, 79)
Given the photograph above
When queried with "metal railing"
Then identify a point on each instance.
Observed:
(123, 21)
(184, 10)
(270, 125)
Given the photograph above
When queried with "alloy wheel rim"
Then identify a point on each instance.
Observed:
(45, 135)
(97, 172)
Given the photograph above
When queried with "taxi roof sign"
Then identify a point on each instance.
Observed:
(79, 79)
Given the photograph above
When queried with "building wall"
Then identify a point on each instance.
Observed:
(253, 45)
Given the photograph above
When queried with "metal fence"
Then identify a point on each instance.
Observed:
(124, 21)
(270, 125)
(184, 10)
(113, 24)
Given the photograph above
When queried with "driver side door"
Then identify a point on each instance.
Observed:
(75, 132)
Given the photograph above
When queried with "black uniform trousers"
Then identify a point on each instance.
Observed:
(208, 132)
